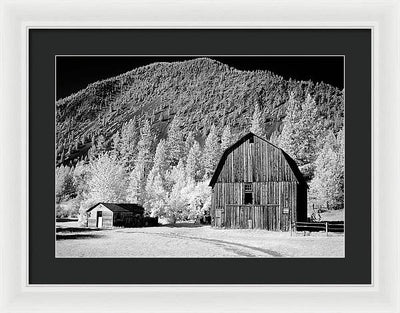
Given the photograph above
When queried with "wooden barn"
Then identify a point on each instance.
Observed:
(107, 215)
(257, 185)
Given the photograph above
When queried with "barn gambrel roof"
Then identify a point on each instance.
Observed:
(292, 164)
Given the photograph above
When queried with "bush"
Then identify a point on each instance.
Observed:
(61, 212)
(69, 209)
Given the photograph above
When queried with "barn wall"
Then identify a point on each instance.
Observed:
(107, 216)
(128, 219)
(270, 199)
(255, 162)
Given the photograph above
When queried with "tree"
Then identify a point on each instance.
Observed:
(127, 144)
(157, 197)
(197, 199)
(65, 188)
(211, 153)
(176, 206)
(302, 128)
(327, 186)
(62, 157)
(107, 182)
(116, 139)
(80, 178)
(174, 144)
(159, 163)
(189, 141)
(98, 147)
(101, 144)
(156, 194)
(193, 163)
(226, 138)
(143, 161)
(274, 139)
(257, 122)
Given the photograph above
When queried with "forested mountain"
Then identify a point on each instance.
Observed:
(202, 91)
(155, 134)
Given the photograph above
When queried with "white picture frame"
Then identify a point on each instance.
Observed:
(382, 17)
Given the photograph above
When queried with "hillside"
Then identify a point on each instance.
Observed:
(202, 91)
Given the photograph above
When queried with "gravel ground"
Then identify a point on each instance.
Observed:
(187, 240)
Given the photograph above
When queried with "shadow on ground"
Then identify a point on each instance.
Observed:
(72, 236)
(66, 219)
(182, 225)
(74, 229)
(70, 233)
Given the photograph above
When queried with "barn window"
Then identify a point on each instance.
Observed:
(251, 139)
(248, 187)
(248, 194)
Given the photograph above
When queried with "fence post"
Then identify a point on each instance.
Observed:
(326, 228)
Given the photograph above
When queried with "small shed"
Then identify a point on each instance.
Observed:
(107, 215)
(257, 185)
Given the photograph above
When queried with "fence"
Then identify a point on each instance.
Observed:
(332, 226)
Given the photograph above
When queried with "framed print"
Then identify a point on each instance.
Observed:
(229, 165)
(208, 159)
(181, 142)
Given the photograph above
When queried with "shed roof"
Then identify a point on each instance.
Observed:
(291, 162)
(120, 207)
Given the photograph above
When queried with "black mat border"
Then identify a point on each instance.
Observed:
(355, 268)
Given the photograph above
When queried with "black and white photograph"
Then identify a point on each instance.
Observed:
(200, 156)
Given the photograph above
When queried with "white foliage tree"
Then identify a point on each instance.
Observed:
(257, 122)
(125, 144)
(189, 141)
(65, 187)
(175, 144)
(107, 182)
(211, 153)
(198, 199)
(226, 138)
(327, 186)
(193, 163)
(156, 194)
(137, 178)
(157, 197)
(175, 210)
(302, 128)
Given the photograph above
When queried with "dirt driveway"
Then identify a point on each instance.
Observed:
(187, 240)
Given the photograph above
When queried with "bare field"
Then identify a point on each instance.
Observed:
(188, 240)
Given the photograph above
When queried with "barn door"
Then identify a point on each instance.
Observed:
(218, 217)
(99, 219)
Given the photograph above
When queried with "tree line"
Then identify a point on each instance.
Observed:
(169, 176)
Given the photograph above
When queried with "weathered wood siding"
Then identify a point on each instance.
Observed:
(119, 218)
(128, 219)
(278, 200)
(277, 193)
(107, 216)
(255, 162)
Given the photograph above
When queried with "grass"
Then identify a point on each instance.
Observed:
(187, 240)
(332, 215)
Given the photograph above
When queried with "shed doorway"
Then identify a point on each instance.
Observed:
(99, 219)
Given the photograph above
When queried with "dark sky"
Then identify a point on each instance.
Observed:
(75, 73)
